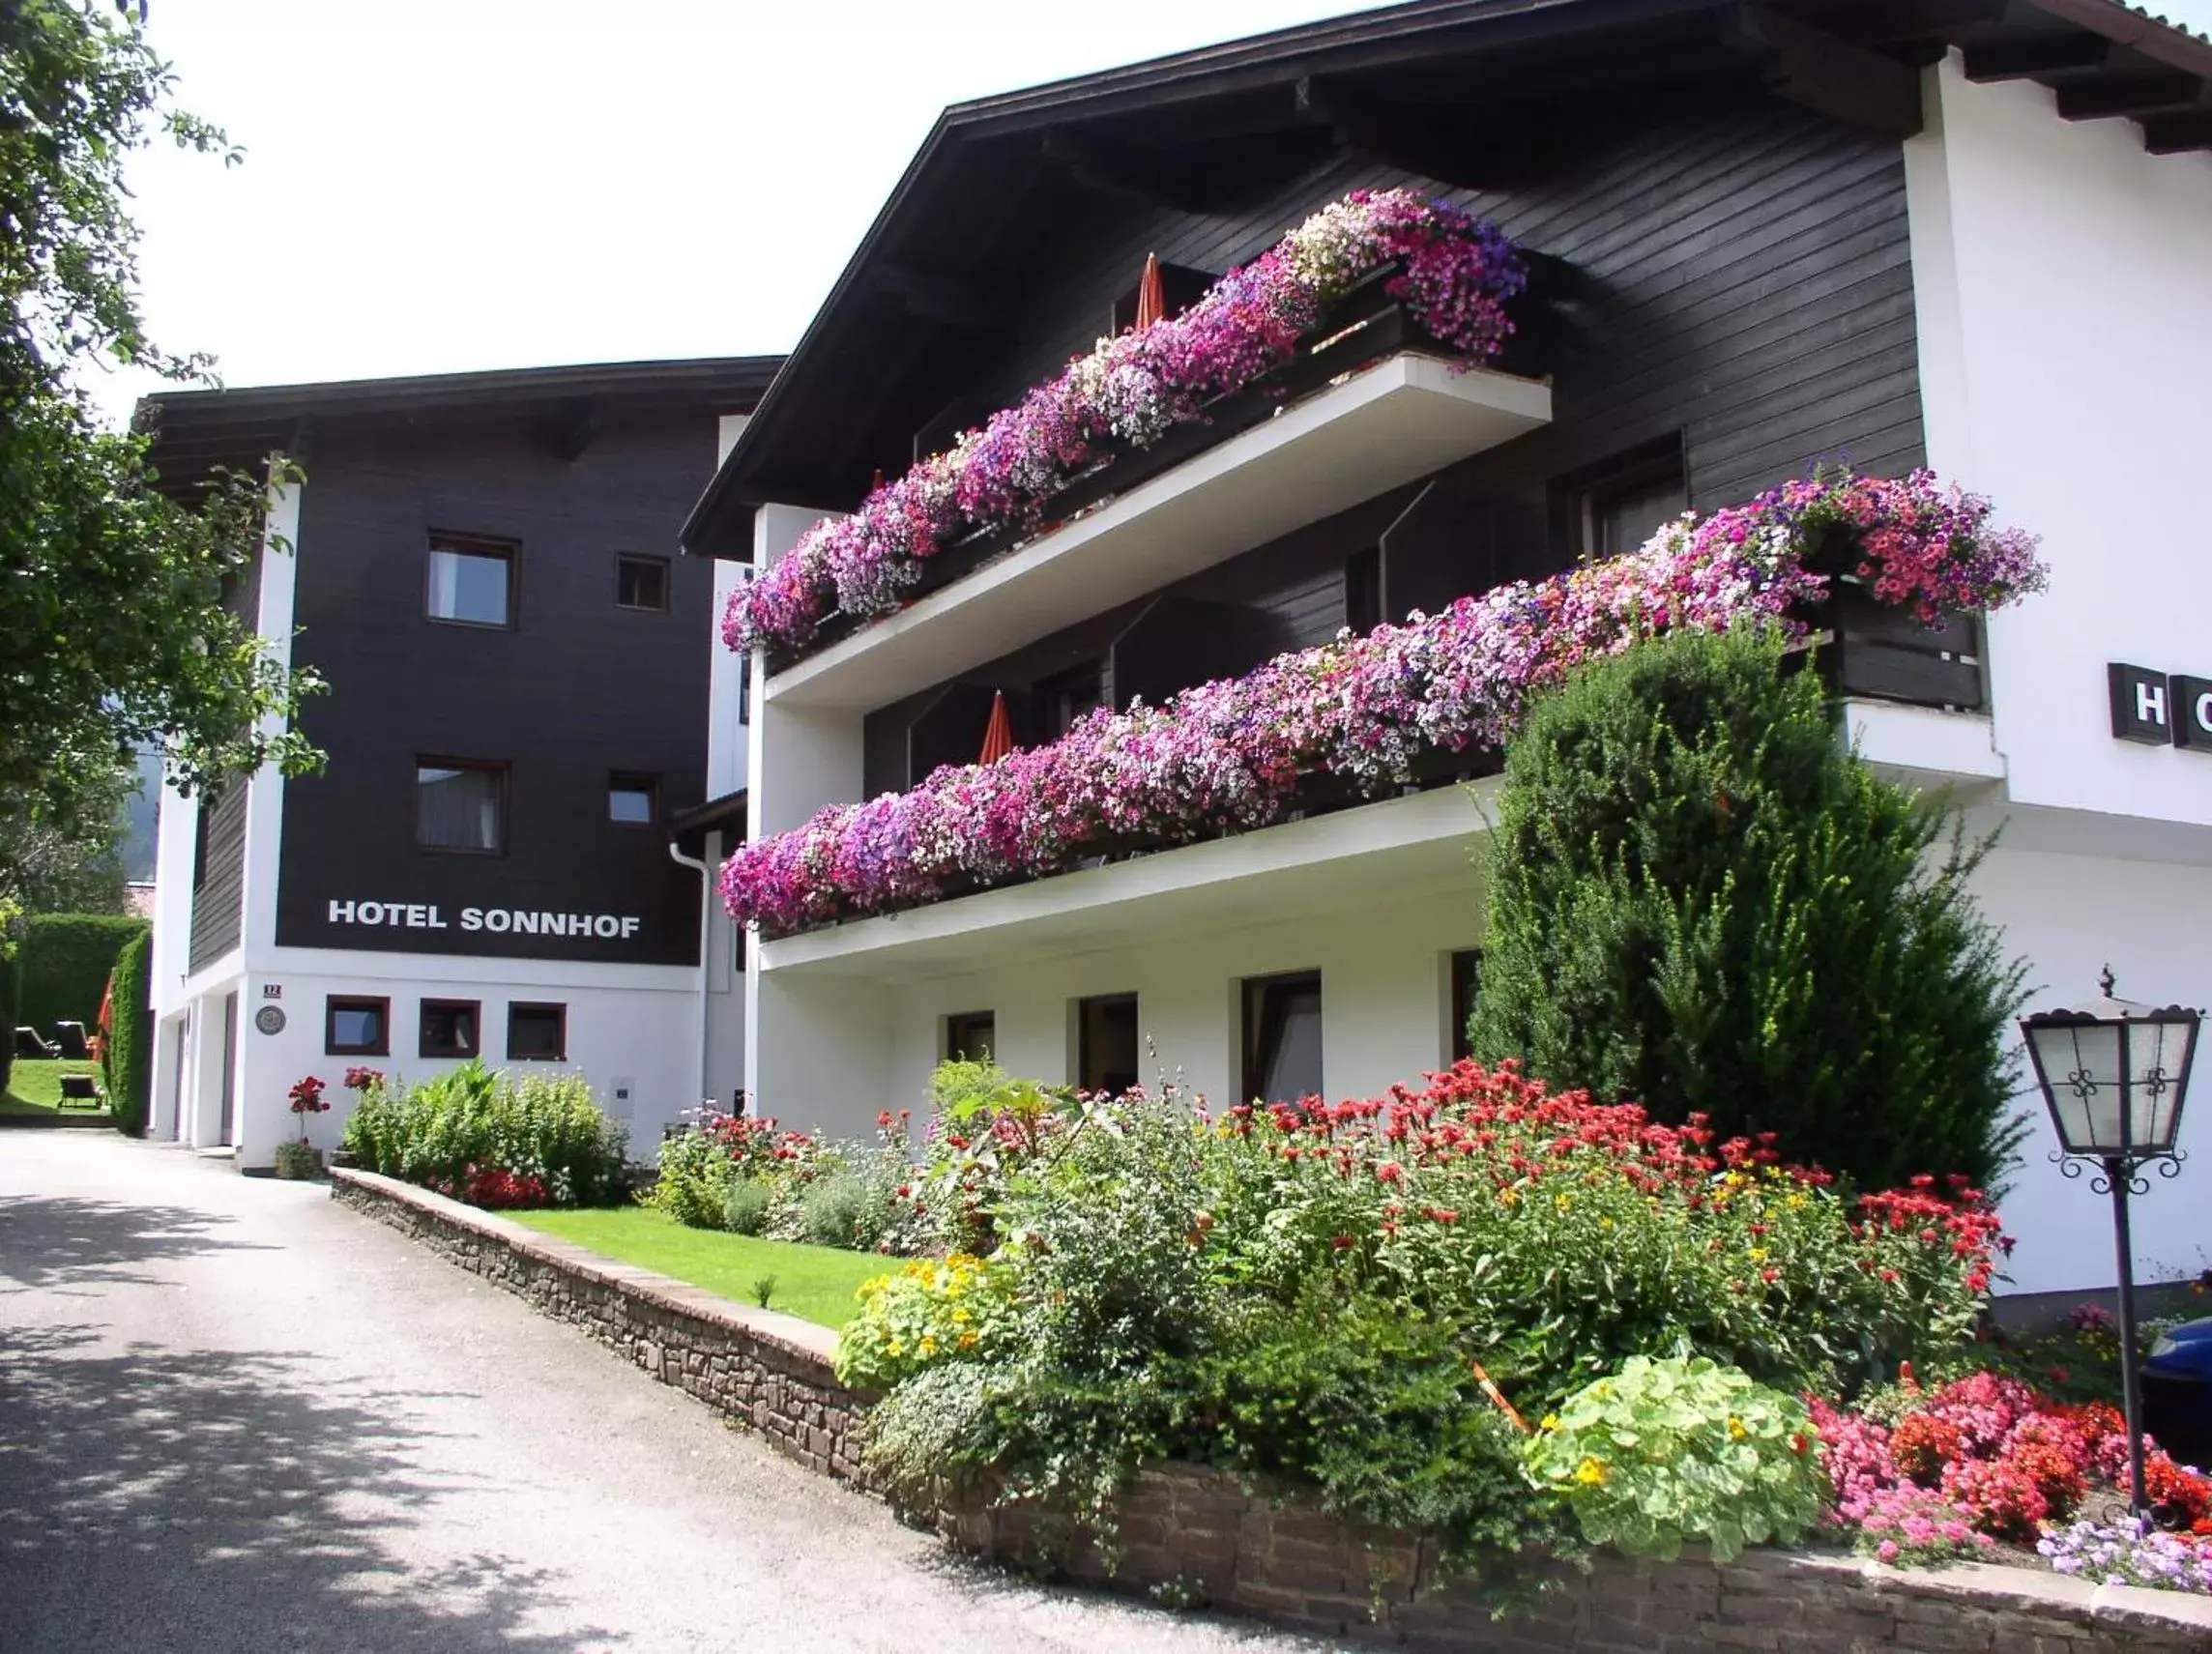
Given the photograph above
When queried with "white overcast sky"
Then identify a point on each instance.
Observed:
(434, 186)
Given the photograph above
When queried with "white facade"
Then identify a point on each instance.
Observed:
(2066, 368)
(2060, 277)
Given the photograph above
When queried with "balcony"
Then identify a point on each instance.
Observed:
(1363, 432)
(1327, 863)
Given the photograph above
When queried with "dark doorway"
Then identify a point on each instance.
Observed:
(225, 1134)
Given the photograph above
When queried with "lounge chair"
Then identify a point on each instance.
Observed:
(69, 1037)
(30, 1046)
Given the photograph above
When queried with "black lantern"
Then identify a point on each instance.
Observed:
(2113, 1077)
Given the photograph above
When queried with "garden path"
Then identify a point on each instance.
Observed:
(233, 1416)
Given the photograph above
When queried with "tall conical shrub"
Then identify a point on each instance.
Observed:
(1700, 900)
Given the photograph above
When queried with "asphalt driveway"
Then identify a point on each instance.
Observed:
(236, 1416)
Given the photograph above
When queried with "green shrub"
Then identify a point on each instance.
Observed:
(842, 1210)
(696, 1174)
(10, 982)
(64, 959)
(473, 1119)
(1699, 900)
(1671, 1451)
(746, 1208)
(1379, 1407)
(130, 1052)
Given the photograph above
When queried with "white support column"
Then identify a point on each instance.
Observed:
(802, 1050)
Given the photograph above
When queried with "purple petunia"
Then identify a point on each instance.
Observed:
(1227, 756)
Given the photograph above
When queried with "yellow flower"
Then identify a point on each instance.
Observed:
(1590, 1473)
(895, 1347)
(1605, 1223)
(928, 1347)
(1795, 1201)
(967, 1341)
(1551, 1421)
(1736, 1430)
(1563, 1204)
(1508, 1197)
(1759, 1255)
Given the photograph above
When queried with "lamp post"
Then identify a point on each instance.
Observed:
(2113, 1076)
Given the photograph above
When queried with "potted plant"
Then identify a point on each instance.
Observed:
(297, 1157)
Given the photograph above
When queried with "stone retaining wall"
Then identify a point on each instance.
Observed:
(766, 1371)
(1207, 1538)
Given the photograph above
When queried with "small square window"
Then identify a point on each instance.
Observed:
(971, 1036)
(471, 582)
(642, 583)
(537, 1033)
(633, 800)
(451, 1028)
(1282, 1038)
(460, 805)
(354, 1027)
(1466, 988)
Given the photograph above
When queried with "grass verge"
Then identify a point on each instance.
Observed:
(35, 1087)
(814, 1283)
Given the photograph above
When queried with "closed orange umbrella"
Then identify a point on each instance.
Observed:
(999, 734)
(1151, 296)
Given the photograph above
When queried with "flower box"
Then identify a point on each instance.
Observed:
(1313, 304)
(1364, 326)
(1417, 704)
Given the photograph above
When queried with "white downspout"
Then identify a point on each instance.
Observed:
(706, 961)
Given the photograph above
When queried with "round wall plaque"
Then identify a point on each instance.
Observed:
(270, 1019)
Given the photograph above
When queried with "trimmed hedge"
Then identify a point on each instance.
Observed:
(8, 995)
(130, 1055)
(64, 961)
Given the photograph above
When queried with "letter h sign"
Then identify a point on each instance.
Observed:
(2160, 709)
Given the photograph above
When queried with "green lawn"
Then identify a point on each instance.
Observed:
(814, 1283)
(36, 1087)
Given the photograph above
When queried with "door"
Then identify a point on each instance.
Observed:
(229, 1067)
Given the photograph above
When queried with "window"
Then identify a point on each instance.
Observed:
(744, 688)
(471, 583)
(449, 1028)
(1618, 508)
(460, 805)
(1063, 700)
(1181, 286)
(971, 1036)
(1465, 986)
(1106, 1042)
(1363, 588)
(537, 1033)
(642, 583)
(633, 800)
(1282, 1038)
(357, 1027)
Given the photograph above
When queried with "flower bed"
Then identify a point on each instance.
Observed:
(1457, 276)
(1231, 755)
(1923, 1476)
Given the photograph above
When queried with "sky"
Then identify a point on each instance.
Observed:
(437, 185)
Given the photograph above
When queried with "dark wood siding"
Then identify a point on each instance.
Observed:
(219, 891)
(219, 873)
(575, 692)
(1736, 278)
